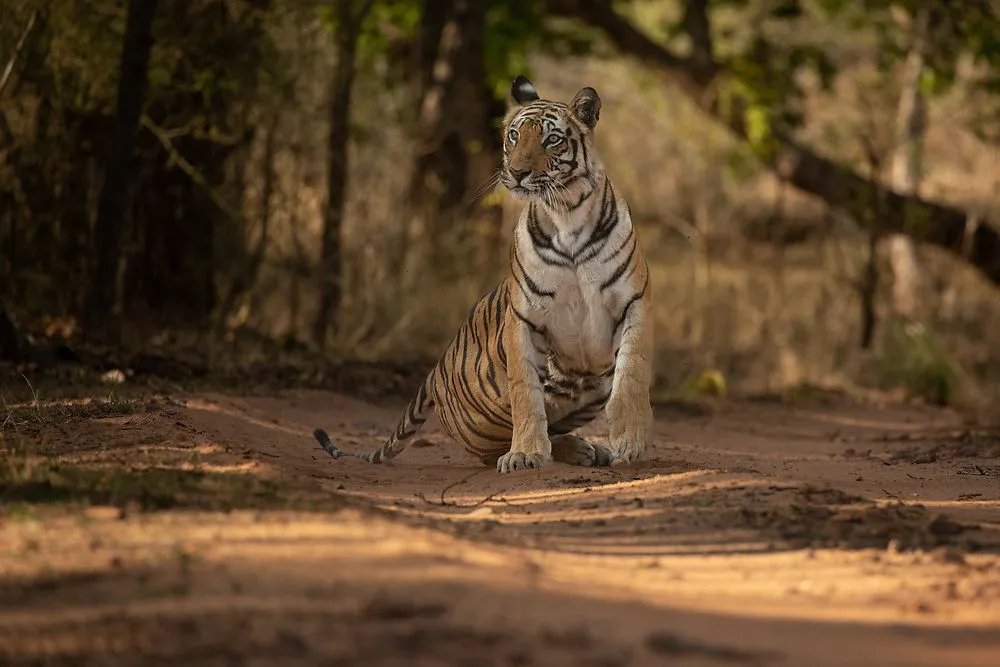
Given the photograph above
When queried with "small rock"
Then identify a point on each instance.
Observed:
(942, 526)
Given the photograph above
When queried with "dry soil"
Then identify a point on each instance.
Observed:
(753, 533)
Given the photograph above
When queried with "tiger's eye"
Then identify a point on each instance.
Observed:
(512, 136)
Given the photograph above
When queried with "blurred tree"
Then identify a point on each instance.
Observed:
(12, 343)
(212, 72)
(462, 56)
(6, 76)
(911, 126)
(753, 92)
(455, 145)
(132, 82)
(349, 17)
(212, 75)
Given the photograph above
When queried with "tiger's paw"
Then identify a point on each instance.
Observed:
(574, 450)
(630, 423)
(522, 461)
(627, 450)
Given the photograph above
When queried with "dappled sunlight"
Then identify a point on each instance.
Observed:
(350, 546)
(534, 517)
(970, 502)
(233, 412)
(109, 455)
(881, 426)
(688, 480)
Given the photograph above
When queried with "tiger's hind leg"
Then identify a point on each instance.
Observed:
(574, 450)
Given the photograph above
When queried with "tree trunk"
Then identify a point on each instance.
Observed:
(349, 18)
(911, 122)
(247, 275)
(437, 182)
(13, 346)
(869, 278)
(836, 184)
(132, 82)
(8, 70)
(456, 146)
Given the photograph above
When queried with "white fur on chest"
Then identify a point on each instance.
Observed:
(580, 319)
(579, 322)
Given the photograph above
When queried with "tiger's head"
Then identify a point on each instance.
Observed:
(547, 146)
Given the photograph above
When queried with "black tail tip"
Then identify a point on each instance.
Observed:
(326, 443)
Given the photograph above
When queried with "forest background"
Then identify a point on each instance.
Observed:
(294, 185)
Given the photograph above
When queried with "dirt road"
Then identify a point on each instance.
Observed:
(753, 534)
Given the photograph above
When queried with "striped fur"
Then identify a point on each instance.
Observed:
(568, 333)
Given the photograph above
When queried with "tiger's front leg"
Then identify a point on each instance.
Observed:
(630, 416)
(530, 445)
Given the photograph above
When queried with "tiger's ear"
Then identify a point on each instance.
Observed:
(586, 106)
(523, 91)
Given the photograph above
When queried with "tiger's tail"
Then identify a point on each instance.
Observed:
(409, 424)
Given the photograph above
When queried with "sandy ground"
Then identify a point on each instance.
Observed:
(752, 534)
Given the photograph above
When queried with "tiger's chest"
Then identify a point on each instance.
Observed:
(572, 282)
(578, 322)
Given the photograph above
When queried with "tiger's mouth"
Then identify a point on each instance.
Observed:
(524, 190)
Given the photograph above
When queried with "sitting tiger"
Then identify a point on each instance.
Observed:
(569, 332)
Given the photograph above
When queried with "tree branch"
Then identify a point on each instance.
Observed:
(698, 28)
(21, 42)
(838, 185)
(163, 136)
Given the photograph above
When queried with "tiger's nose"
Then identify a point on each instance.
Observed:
(519, 174)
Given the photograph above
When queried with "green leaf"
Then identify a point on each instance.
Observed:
(758, 124)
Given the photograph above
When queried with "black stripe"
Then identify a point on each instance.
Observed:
(560, 393)
(621, 247)
(496, 417)
(606, 223)
(621, 268)
(461, 415)
(580, 416)
(532, 285)
(541, 242)
(584, 197)
(621, 318)
(524, 319)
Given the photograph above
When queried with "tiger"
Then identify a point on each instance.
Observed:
(568, 332)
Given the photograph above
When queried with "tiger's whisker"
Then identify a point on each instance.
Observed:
(487, 187)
